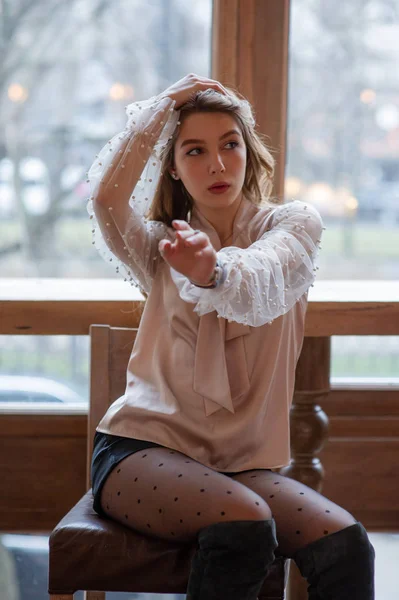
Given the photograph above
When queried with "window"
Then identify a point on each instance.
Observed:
(68, 71)
(343, 150)
(343, 131)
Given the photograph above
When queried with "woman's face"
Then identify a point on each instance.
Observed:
(210, 149)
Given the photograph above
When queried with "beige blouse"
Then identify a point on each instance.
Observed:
(212, 371)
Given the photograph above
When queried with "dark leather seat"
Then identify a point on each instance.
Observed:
(88, 552)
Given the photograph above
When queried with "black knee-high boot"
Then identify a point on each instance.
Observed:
(232, 560)
(339, 566)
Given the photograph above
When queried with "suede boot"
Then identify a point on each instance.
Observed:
(232, 560)
(339, 566)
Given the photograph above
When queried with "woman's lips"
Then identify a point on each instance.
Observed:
(219, 189)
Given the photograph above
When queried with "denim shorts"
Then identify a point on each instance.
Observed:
(108, 451)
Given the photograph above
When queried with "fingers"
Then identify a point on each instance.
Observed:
(183, 231)
(181, 225)
(186, 241)
(218, 88)
(199, 83)
(180, 245)
(185, 88)
(207, 251)
(197, 241)
(191, 239)
(165, 247)
(185, 238)
(214, 84)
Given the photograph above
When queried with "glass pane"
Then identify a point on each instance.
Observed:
(55, 369)
(343, 131)
(370, 358)
(67, 70)
(44, 369)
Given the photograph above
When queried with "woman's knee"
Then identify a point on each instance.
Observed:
(254, 510)
(241, 503)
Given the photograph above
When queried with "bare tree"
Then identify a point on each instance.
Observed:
(332, 62)
(52, 49)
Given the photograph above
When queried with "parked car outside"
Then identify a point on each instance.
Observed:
(36, 390)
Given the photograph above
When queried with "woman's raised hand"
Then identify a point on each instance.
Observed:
(191, 254)
(182, 90)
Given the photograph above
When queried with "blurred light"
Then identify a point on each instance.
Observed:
(17, 93)
(387, 117)
(118, 91)
(320, 193)
(367, 96)
(293, 187)
(346, 201)
(351, 203)
(330, 201)
(32, 168)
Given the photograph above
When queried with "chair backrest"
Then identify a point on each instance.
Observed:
(110, 349)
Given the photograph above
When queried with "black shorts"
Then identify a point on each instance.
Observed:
(108, 451)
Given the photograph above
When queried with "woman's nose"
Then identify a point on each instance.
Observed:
(216, 164)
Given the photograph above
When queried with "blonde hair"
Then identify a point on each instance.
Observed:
(172, 201)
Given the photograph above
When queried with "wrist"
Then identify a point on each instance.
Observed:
(217, 278)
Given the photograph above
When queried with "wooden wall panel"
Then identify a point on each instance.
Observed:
(362, 476)
(42, 469)
(361, 456)
(43, 462)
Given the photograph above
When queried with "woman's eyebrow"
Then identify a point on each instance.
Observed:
(193, 141)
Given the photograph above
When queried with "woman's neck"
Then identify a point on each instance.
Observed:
(222, 219)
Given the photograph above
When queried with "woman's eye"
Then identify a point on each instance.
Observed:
(193, 150)
(200, 150)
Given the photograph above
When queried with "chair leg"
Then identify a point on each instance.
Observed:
(94, 595)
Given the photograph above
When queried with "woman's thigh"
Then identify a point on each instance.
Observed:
(302, 515)
(164, 493)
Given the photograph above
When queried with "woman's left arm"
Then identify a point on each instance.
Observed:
(264, 280)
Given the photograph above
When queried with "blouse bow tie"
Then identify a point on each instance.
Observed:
(220, 371)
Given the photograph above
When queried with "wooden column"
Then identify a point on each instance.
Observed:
(309, 430)
(309, 423)
(250, 54)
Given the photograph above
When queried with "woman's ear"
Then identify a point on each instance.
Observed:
(173, 174)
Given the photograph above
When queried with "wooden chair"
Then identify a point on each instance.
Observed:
(96, 555)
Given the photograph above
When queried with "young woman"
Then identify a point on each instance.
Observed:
(180, 202)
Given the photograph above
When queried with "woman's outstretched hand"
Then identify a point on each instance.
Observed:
(191, 254)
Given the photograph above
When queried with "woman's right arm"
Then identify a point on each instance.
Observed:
(123, 182)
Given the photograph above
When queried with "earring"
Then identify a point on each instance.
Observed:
(174, 176)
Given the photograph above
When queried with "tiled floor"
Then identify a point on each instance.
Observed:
(386, 547)
(23, 572)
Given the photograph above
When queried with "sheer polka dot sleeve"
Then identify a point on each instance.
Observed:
(123, 181)
(264, 280)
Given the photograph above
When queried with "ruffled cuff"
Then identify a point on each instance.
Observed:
(266, 279)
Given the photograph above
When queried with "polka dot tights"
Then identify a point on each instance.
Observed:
(163, 493)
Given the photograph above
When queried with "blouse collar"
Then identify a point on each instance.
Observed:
(244, 214)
